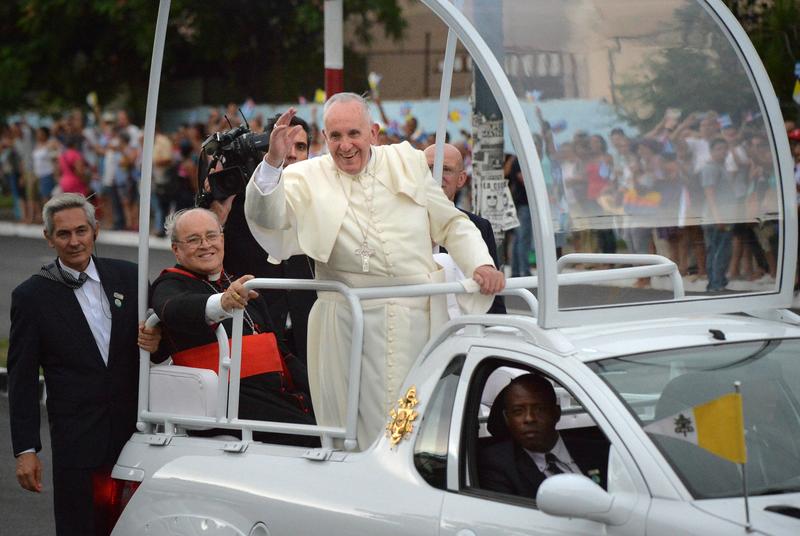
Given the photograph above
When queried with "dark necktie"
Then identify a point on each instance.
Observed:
(552, 464)
(82, 277)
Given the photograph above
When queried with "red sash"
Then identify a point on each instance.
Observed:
(260, 351)
(260, 354)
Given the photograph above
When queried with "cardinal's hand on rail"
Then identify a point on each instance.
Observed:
(236, 296)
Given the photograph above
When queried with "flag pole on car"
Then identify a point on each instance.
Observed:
(737, 386)
(716, 426)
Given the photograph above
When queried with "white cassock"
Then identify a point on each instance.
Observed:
(325, 213)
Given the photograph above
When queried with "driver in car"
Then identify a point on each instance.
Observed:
(529, 448)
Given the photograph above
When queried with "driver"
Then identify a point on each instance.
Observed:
(535, 450)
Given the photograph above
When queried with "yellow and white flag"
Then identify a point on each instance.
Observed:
(717, 426)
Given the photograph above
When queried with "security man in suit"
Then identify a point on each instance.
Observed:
(453, 179)
(76, 319)
(535, 450)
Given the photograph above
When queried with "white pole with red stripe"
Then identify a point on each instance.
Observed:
(334, 47)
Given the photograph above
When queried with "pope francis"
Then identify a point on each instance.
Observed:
(368, 215)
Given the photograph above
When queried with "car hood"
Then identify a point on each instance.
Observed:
(762, 519)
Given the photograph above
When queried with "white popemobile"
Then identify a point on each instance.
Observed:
(622, 359)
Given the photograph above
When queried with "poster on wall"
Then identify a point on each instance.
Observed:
(491, 197)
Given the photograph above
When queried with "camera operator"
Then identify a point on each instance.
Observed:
(243, 255)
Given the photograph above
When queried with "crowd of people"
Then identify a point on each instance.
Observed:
(100, 158)
(698, 191)
(701, 191)
(99, 154)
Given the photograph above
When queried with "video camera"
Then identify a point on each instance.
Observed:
(240, 151)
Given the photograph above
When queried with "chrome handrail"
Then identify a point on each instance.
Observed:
(230, 357)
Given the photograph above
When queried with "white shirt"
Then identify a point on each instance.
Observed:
(701, 153)
(94, 304)
(43, 157)
(402, 210)
(266, 177)
(565, 461)
(214, 311)
(110, 165)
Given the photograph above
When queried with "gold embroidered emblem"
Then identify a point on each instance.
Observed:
(402, 416)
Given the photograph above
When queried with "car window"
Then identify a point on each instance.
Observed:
(669, 386)
(430, 449)
(514, 427)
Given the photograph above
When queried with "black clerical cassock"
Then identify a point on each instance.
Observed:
(274, 383)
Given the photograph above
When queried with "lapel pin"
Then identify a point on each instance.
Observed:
(118, 299)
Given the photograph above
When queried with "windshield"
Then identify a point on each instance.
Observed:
(652, 138)
(658, 385)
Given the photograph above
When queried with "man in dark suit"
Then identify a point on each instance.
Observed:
(453, 179)
(535, 450)
(76, 319)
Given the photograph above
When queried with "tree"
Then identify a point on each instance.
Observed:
(774, 29)
(54, 52)
(670, 79)
(700, 72)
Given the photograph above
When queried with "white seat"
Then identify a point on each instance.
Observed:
(183, 390)
(495, 383)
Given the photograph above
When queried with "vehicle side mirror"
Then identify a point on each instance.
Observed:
(571, 495)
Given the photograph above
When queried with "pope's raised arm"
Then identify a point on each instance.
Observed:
(270, 216)
(282, 138)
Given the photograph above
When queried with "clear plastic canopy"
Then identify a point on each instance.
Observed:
(633, 95)
(652, 126)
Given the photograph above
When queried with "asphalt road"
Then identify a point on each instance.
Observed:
(23, 513)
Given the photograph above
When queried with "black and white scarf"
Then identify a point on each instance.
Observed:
(54, 272)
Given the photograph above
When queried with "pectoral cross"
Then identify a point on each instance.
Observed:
(366, 252)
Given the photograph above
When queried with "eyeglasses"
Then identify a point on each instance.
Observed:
(195, 241)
